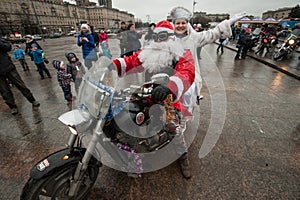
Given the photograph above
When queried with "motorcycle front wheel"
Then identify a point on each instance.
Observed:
(279, 54)
(56, 186)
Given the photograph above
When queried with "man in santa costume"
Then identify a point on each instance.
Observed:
(165, 55)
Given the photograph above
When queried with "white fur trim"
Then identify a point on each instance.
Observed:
(179, 85)
(159, 55)
(159, 29)
(123, 66)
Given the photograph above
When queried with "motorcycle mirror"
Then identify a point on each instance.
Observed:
(161, 79)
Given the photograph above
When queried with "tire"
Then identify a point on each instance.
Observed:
(279, 54)
(56, 185)
(260, 49)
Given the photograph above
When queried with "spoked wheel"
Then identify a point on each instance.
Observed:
(56, 186)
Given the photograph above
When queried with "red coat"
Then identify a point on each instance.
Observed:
(103, 37)
(179, 83)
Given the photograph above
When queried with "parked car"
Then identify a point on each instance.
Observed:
(16, 40)
(71, 33)
(55, 35)
(37, 37)
(111, 35)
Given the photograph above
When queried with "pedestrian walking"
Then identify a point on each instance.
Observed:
(240, 44)
(122, 36)
(86, 41)
(19, 54)
(247, 44)
(133, 40)
(148, 36)
(64, 79)
(76, 69)
(29, 42)
(38, 59)
(105, 49)
(221, 45)
(103, 36)
(9, 72)
(96, 38)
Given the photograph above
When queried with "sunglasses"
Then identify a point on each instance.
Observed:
(161, 36)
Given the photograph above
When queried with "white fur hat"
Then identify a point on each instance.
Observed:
(84, 26)
(180, 13)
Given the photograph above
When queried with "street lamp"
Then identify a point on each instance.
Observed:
(37, 20)
(194, 3)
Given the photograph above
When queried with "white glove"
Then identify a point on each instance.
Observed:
(236, 17)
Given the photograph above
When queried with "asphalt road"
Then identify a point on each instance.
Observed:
(257, 154)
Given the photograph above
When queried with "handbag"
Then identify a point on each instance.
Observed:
(44, 57)
(46, 60)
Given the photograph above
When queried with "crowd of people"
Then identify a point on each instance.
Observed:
(172, 45)
(247, 38)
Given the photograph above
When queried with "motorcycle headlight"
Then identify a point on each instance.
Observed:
(291, 42)
(73, 130)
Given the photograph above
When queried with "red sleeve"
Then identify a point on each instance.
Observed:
(128, 65)
(184, 75)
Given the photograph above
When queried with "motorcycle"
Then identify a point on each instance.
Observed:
(116, 125)
(267, 40)
(286, 48)
(254, 39)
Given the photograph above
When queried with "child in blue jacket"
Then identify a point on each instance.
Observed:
(38, 59)
(19, 54)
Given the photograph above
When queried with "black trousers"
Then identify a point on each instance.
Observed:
(42, 67)
(14, 77)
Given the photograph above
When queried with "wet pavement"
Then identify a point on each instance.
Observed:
(256, 157)
(289, 66)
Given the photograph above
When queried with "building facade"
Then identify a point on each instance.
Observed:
(49, 16)
(281, 13)
(105, 3)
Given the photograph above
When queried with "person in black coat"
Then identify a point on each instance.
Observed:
(133, 42)
(151, 27)
(240, 44)
(9, 72)
(246, 44)
(29, 42)
(28, 48)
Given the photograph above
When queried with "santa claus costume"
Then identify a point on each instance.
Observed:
(166, 55)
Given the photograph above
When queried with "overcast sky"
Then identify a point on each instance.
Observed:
(159, 9)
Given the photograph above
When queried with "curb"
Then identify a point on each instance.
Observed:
(264, 61)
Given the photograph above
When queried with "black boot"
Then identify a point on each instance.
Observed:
(185, 166)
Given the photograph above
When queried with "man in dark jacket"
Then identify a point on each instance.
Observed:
(29, 42)
(95, 36)
(9, 72)
(240, 44)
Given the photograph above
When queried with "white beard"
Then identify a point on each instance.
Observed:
(159, 55)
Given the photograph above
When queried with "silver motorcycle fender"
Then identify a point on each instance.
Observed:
(75, 117)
